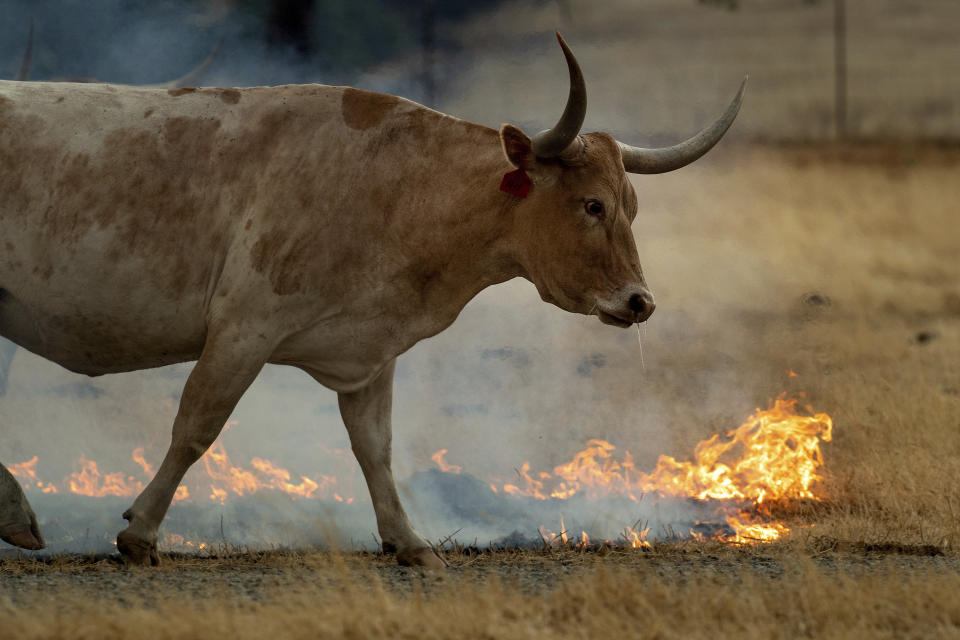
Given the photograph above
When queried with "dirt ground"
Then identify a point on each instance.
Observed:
(257, 575)
(698, 590)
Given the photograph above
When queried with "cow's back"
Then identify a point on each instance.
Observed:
(118, 209)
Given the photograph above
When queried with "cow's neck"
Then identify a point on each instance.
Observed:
(462, 246)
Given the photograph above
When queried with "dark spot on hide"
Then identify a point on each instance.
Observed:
(177, 130)
(230, 96)
(179, 92)
(364, 109)
(60, 99)
(147, 113)
(43, 273)
(282, 259)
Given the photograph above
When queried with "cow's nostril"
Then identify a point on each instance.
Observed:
(642, 305)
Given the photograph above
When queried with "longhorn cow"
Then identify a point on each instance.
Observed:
(325, 228)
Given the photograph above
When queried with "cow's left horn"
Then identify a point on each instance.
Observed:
(564, 135)
(640, 160)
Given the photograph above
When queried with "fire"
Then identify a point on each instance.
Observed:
(227, 478)
(90, 482)
(177, 540)
(27, 472)
(561, 539)
(446, 468)
(636, 539)
(138, 458)
(747, 532)
(223, 479)
(773, 455)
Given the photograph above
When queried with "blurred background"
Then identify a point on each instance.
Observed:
(813, 250)
(820, 68)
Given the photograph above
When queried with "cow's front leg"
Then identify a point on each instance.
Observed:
(366, 413)
(229, 363)
(18, 525)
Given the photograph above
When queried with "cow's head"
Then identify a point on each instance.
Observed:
(573, 225)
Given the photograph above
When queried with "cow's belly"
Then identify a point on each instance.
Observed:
(347, 349)
(94, 338)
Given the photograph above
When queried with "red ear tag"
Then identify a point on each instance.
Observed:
(516, 183)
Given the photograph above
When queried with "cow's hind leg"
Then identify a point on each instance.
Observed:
(229, 363)
(18, 524)
(366, 414)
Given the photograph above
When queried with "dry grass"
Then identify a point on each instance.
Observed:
(323, 596)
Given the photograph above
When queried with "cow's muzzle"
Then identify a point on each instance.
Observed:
(638, 308)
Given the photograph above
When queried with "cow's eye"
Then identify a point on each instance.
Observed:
(594, 208)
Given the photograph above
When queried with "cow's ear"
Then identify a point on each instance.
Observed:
(517, 148)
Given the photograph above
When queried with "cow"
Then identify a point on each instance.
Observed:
(325, 228)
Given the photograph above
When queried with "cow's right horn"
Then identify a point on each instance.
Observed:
(24, 72)
(563, 138)
(640, 160)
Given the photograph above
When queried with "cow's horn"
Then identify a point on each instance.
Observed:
(563, 139)
(640, 160)
(24, 72)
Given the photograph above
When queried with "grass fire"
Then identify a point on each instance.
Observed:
(772, 458)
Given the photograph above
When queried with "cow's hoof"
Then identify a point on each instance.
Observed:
(421, 557)
(23, 536)
(136, 551)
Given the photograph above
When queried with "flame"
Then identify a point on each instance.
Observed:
(90, 482)
(446, 468)
(773, 455)
(26, 471)
(636, 539)
(227, 478)
(177, 540)
(222, 479)
(748, 532)
(138, 458)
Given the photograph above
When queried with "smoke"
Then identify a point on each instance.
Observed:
(514, 379)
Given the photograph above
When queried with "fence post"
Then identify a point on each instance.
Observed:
(840, 68)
